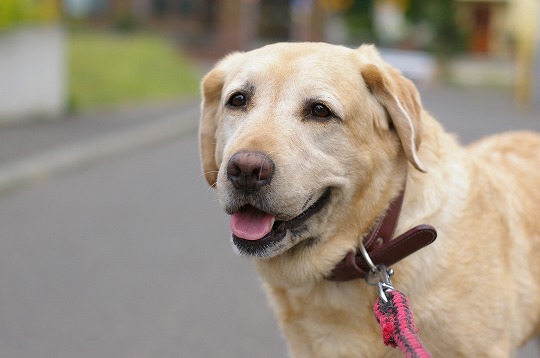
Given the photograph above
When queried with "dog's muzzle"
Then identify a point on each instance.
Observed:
(255, 227)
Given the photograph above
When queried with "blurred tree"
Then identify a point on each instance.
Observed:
(275, 20)
(336, 5)
(432, 21)
(359, 20)
(18, 12)
(440, 18)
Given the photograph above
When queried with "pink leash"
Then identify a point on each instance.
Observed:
(393, 312)
(396, 320)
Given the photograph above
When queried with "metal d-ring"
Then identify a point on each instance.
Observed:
(366, 257)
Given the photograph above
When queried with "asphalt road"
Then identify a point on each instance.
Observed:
(130, 257)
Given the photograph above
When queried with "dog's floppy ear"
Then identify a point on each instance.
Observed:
(211, 88)
(398, 95)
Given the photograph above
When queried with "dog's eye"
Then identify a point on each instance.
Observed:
(320, 110)
(237, 100)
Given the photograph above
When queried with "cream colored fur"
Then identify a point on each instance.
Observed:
(475, 292)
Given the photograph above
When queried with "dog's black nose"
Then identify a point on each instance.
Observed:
(250, 171)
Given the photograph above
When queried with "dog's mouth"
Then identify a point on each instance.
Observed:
(253, 229)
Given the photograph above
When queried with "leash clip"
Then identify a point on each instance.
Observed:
(381, 278)
(378, 275)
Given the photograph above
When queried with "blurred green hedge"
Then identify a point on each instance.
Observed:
(19, 12)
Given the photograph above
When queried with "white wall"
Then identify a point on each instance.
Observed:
(33, 73)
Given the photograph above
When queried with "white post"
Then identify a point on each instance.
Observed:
(526, 20)
(32, 72)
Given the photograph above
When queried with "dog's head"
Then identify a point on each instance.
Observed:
(306, 143)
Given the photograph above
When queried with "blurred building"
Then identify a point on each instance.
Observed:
(488, 29)
(224, 25)
(506, 29)
(213, 26)
(489, 25)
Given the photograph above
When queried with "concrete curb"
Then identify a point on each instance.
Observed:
(63, 159)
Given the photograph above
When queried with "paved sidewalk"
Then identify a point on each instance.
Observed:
(474, 112)
(34, 151)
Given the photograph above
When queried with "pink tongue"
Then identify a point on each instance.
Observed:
(251, 224)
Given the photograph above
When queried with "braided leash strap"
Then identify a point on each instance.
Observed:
(397, 325)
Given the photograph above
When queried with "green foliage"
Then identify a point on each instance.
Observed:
(125, 23)
(110, 69)
(440, 16)
(359, 20)
(19, 12)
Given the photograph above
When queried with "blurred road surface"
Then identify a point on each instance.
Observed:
(129, 257)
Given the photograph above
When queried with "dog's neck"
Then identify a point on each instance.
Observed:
(304, 267)
(380, 246)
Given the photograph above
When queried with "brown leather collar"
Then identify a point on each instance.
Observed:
(380, 246)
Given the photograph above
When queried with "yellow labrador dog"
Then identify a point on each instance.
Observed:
(308, 144)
